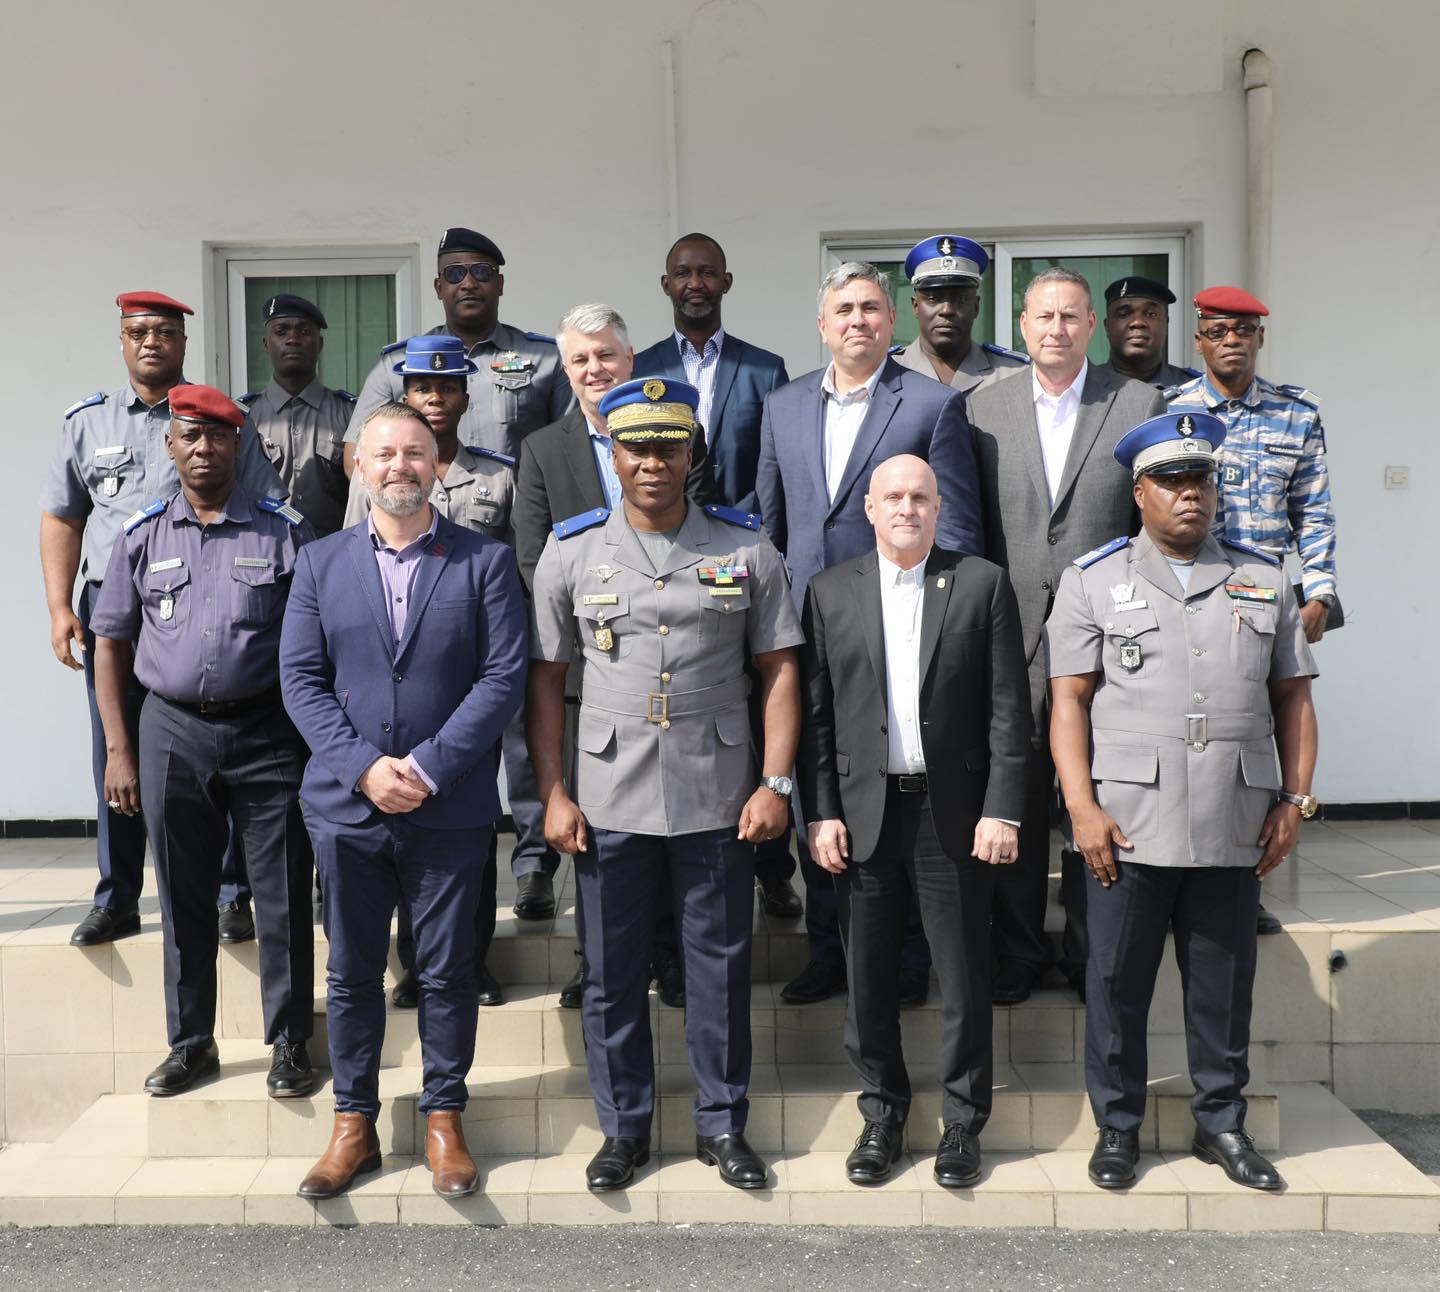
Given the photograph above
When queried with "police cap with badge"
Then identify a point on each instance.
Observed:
(1172, 443)
(650, 410)
(285, 305)
(462, 239)
(946, 260)
(435, 355)
(1136, 286)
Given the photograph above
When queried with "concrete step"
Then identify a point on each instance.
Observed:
(1341, 1177)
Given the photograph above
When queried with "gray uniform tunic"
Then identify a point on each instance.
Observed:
(520, 387)
(983, 365)
(304, 437)
(477, 492)
(663, 743)
(1183, 731)
(1168, 375)
(205, 601)
(111, 461)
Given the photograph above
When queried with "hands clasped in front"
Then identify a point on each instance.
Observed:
(393, 786)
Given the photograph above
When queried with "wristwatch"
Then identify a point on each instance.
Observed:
(1307, 803)
(781, 785)
(1326, 599)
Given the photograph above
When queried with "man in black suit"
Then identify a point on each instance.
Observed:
(914, 668)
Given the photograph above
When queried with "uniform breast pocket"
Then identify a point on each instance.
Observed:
(1132, 643)
(115, 474)
(1127, 786)
(1270, 488)
(722, 617)
(483, 514)
(605, 623)
(254, 594)
(1252, 640)
(167, 599)
(514, 394)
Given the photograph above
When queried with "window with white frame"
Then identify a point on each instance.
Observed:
(1014, 261)
(367, 294)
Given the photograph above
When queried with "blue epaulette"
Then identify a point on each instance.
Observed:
(1174, 392)
(1304, 395)
(280, 509)
(745, 519)
(156, 508)
(540, 336)
(393, 346)
(1004, 351)
(1192, 373)
(248, 398)
(1259, 553)
(88, 402)
(346, 395)
(578, 524)
(896, 349)
(493, 453)
(1089, 559)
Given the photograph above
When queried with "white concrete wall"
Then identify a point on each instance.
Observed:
(133, 138)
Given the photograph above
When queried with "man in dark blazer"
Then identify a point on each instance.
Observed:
(1052, 491)
(732, 376)
(913, 668)
(402, 657)
(820, 437)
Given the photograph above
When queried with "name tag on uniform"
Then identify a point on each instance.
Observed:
(250, 563)
(1131, 605)
(600, 599)
(110, 450)
(174, 563)
(727, 592)
(1284, 450)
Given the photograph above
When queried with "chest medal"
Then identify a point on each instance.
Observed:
(1130, 657)
(167, 607)
(110, 486)
(604, 637)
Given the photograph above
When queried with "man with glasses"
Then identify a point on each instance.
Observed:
(518, 385)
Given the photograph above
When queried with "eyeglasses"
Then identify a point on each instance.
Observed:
(162, 332)
(482, 271)
(1221, 330)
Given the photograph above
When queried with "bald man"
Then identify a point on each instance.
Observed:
(906, 630)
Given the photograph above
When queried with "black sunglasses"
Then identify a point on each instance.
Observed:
(482, 271)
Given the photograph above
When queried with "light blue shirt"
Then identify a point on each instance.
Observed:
(700, 372)
(605, 465)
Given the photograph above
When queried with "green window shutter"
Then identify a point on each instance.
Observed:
(360, 311)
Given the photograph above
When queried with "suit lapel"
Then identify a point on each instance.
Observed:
(1021, 391)
(725, 370)
(1095, 400)
(872, 616)
(580, 458)
(432, 562)
(362, 552)
(883, 403)
(939, 580)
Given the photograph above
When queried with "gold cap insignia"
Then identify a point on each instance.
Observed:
(654, 389)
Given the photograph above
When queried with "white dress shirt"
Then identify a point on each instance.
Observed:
(902, 599)
(1055, 419)
(843, 417)
(700, 371)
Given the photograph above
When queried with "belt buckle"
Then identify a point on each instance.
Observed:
(912, 783)
(658, 706)
(1197, 731)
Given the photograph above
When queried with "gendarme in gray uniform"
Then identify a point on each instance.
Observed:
(476, 492)
(1184, 750)
(663, 746)
(983, 365)
(304, 437)
(111, 462)
(520, 387)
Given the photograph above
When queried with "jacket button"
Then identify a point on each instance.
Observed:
(1053, 540)
(659, 583)
(384, 726)
(882, 773)
(664, 630)
(1045, 583)
(397, 677)
(884, 731)
(664, 677)
(829, 524)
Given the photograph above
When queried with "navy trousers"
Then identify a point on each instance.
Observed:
(364, 871)
(204, 778)
(1212, 911)
(531, 853)
(712, 879)
(1018, 937)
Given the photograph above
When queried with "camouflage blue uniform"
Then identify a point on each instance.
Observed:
(1274, 481)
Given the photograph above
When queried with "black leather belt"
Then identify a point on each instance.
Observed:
(228, 708)
(911, 783)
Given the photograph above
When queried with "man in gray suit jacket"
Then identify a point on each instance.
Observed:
(1051, 491)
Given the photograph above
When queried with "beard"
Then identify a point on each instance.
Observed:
(402, 499)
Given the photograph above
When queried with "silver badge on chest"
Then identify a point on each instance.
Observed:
(167, 607)
(1130, 657)
(110, 486)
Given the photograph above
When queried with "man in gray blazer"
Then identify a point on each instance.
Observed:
(1051, 490)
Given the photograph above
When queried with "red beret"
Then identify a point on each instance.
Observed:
(150, 303)
(1227, 302)
(197, 403)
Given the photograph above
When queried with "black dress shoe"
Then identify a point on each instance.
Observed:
(914, 988)
(1265, 922)
(957, 1160)
(1112, 1164)
(571, 991)
(670, 984)
(290, 1074)
(235, 922)
(407, 991)
(535, 897)
(740, 1166)
(613, 1167)
(813, 983)
(104, 925)
(1234, 1153)
(875, 1152)
(183, 1067)
(777, 898)
(1011, 985)
(488, 989)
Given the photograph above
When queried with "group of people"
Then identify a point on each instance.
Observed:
(695, 606)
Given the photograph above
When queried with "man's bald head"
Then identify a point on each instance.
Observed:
(903, 504)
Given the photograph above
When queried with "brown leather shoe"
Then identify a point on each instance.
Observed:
(451, 1167)
(354, 1148)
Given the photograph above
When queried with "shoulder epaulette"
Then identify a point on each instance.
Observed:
(1174, 392)
(147, 513)
(248, 398)
(1089, 559)
(88, 402)
(540, 336)
(1005, 351)
(280, 509)
(494, 454)
(1192, 373)
(578, 524)
(745, 519)
(1304, 395)
(896, 349)
(346, 396)
(392, 347)
(1259, 553)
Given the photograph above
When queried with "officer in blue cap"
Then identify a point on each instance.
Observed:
(945, 273)
(1184, 735)
(663, 600)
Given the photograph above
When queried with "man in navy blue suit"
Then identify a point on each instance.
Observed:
(733, 378)
(402, 658)
(820, 438)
